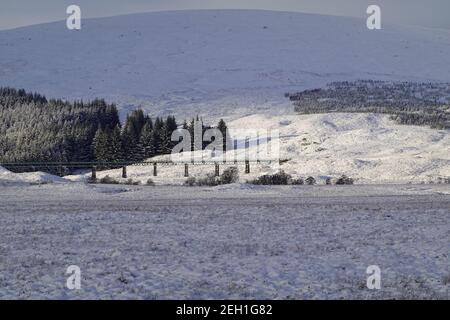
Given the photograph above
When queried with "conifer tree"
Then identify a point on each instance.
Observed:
(165, 146)
(155, 142)
(223, 129)
(146, 140)
(100, 145)
(116, 151)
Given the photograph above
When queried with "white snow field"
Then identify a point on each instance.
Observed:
(227, 242)
(369, 148)
(214, 62)
(236, 241)
(8, 178)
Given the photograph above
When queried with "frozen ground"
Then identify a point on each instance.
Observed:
(227, 242)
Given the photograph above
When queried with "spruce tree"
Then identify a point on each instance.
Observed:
(116, 152)
(165, 140)
(128, 145)
(223, 129)
(100, 145)
(146, 140)
(155, 143)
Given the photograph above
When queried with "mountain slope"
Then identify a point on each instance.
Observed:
(214, 62)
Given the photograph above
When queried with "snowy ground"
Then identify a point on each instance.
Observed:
(8, 178)
(233, 241)
(237, 241)
(369, 148)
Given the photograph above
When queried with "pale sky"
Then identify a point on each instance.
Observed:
(426, 13)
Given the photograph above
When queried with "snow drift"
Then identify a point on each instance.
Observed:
(10, 178)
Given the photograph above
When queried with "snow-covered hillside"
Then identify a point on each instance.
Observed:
(238, 64)
(367, 147)
(217, 63)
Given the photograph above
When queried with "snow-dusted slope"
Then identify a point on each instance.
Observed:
(369, 148)
(8, 178)
(214, 62)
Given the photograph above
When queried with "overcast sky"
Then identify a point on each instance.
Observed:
(427, 13)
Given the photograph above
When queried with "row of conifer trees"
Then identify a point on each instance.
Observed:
(36, 130)
(142, 137)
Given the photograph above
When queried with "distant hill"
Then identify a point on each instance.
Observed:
(217, 63)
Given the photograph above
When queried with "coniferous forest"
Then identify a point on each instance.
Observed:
(34, 129)
(409, 103)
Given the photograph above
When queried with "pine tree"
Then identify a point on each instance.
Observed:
(128, 142)
(223, 129)
(149, 122)
(134, 123)
(132, 147)
(165, 138)
(169, 127)
(155, 143)
(138, 153)
(100, 145)
(146, 140)
(116, 152)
